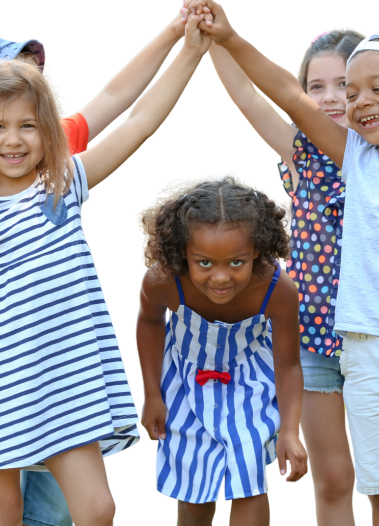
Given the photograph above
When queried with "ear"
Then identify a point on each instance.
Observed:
(256, 253)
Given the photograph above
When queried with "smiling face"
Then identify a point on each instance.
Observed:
(220, 260)
(362, 94)
(326, 82)
(21, 145)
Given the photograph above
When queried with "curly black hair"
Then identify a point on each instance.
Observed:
(168, 225)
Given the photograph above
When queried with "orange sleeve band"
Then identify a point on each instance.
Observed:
(76, 130)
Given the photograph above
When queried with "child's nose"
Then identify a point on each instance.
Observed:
(363, 101)
(330, 96)
(220, 276)
(13, 138)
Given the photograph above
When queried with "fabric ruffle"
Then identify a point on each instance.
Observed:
(316, 240)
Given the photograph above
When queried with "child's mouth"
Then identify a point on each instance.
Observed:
(14, 158)
(369, 121)
(335, 114)
(221, 292)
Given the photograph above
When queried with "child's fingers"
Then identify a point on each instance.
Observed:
(295, 471)
(299, 466)
(161, 428)
(203, 26)
(208, 19)
(185, 14)
(282, 461)
(193, 22)
(152, 430)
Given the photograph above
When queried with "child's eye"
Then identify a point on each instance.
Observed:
(316, 86)
(27, 126)
(350, 96)
(342, 84)
(205, 264)
(236, 263)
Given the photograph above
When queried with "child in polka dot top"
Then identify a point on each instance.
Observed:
(317, 191)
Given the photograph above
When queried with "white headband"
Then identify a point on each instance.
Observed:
(367, 44)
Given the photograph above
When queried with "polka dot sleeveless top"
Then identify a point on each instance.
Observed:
(316, 242)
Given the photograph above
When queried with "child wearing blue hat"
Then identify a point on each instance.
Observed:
(44, 503)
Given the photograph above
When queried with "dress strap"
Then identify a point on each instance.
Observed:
(180, 290)
(274, 281)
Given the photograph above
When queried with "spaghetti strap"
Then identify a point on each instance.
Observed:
(180, 290)
(274, 281)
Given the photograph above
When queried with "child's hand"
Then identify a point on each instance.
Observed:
(208, 17)
(196, 41)
(178, 24)
(290, 448)
(154, 418)
(219, 29)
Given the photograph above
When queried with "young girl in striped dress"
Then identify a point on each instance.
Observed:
(64, 394)
(210, 394)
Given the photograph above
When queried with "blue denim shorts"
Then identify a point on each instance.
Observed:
(321, 373)
(44, 503)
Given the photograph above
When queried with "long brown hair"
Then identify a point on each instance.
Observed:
(19, 78)
(336, 42)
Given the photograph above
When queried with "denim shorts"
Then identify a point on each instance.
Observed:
(321, 373)
(44, 503)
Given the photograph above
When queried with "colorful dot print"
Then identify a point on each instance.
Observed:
(316, 243)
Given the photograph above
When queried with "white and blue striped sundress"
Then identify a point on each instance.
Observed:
(62, 381)
(218, 430)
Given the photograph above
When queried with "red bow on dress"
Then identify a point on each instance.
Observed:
(202, 377)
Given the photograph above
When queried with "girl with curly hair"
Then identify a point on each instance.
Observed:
(210, 394)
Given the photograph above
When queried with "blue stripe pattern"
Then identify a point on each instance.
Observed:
(218, 430)
(62, 382)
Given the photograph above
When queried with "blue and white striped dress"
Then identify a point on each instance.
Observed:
(62, 381)
(218, 430)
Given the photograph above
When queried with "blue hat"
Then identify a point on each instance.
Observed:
(10, 50)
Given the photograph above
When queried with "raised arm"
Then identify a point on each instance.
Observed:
(151, 341)
(125, 88)
(150, 111)
(273, 129)
(277, 83)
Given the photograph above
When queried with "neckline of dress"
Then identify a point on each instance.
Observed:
(6, 200)
(219, 323)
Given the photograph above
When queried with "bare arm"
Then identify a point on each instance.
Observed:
(288, 374)
(150, 111)
(151, 341)
(277, 83)
(125, 88)
(273, 129)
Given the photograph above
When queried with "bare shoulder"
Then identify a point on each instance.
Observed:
(285, 288)
(155, 289)
(285, 295)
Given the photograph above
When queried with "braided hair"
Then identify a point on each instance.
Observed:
(169, 225)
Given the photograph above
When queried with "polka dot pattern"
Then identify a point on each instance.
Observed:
(316, 243)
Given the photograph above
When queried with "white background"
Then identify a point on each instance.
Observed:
(87, 42)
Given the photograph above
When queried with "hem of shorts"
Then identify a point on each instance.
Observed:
(32, 522)
(367, 491)
(247, 495)
(326, 390)
(372, 331)
(191, 501)
(227, 497)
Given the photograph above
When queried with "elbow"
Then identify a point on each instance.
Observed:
(141, 128)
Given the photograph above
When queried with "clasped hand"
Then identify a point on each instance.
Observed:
(214, 21)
